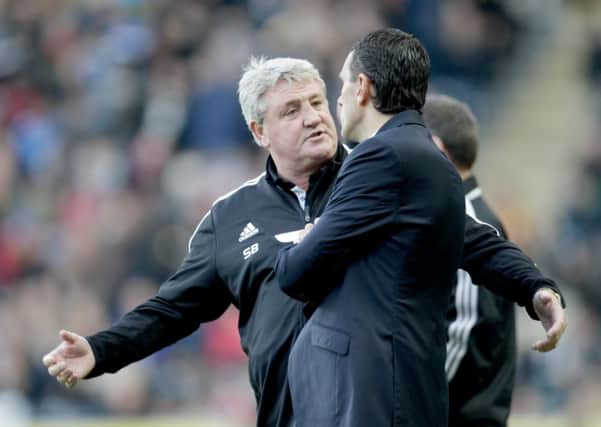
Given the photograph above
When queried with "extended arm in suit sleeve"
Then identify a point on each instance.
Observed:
(501, 266)
(362, 205)
(192, 295)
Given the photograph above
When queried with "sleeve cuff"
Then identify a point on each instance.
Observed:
(97, 370)
(551, 287)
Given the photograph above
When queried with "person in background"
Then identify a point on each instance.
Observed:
(481, 346)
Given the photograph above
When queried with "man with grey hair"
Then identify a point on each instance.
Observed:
(298, 130)
(233, 250)
(235, 245)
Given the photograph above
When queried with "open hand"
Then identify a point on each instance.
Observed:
(547, 305)
(71, 360)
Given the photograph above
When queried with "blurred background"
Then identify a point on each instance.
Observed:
(119, 126)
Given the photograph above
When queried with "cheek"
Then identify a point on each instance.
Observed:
(289, 134)
(343, 113)
(329, 120)
(344, 94)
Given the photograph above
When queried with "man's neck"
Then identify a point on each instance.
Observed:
(298, 178)
(465, 174)
(301, 182)
(374, 120)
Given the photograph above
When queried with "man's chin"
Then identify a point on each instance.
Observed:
(346, 135)
(327, 151)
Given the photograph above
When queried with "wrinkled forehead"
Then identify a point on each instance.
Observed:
(285, 91)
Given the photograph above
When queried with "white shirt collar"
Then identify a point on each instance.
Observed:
(301, 195)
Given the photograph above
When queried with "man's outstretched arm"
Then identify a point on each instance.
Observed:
(194, 294)
(504, 269)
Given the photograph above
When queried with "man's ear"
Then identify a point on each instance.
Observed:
(257, 130)
(364, 89)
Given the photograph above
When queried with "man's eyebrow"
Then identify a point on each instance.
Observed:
(297, 101)
(290, 103)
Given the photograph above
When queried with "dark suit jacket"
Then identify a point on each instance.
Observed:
(388, 245)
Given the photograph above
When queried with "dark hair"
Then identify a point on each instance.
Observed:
(397, 65)
(454, 123)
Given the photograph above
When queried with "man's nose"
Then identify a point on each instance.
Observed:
(311, 117)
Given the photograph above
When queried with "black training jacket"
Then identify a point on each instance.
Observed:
(231, 257)
(481, 347)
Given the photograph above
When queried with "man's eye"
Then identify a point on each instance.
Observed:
(317, 103)
(290, 112)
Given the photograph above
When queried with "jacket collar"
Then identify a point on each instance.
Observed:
(406, 117)
(331, 166)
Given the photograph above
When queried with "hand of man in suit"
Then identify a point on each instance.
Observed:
(303, 233)
(547, 305)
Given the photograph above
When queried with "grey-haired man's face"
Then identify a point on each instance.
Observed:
(298, 129)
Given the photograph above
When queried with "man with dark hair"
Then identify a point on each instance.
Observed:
(481, 346)
(454, 130)
(381, 262)
(398, 67)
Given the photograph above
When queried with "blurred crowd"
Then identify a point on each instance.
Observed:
(119, 126)
(570, 380)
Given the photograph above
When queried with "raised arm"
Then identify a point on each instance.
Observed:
(194, 294)
(504, 269)
(361, 207)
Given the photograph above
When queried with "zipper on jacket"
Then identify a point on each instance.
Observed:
(291, 197)
(307, 213)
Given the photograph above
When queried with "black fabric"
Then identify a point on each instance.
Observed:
(385, 253)
(215, 274)
(482, 378)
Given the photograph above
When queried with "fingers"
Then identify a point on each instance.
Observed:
(67, 379)
(55, 369)
(49, 360)
(63, 374)
(557, 329)
(67, 336)
(53, 357)
(549, 343)
(547, 305)
(554, 334)
(72, 381)
(57, 365)
(545, 345)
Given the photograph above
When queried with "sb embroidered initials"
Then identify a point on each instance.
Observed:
(252, 249)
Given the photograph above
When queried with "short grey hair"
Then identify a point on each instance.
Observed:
(261, 74)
